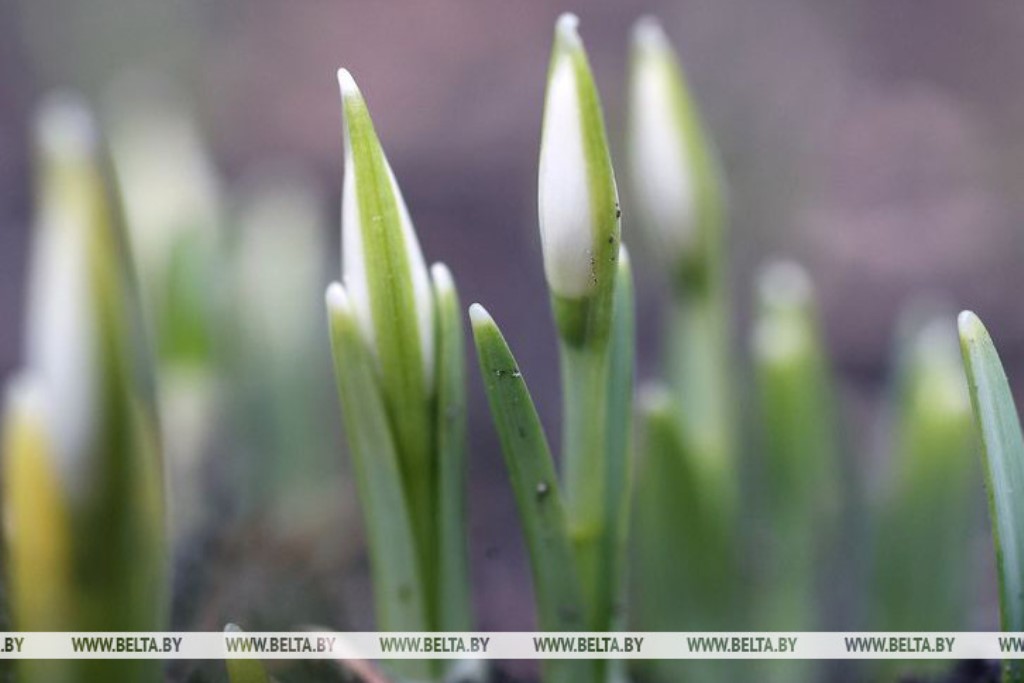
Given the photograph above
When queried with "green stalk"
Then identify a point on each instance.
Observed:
(618, 455)
(584, 453)
(698, 368)
(558, 595)
(1003, 459)
(454, 600)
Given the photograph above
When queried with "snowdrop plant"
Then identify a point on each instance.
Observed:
(1003, 458)
(396, 335)
(679, 200)
(171, 198)
(687, 428)
(84, 487)
(575, 531)
(799, 463)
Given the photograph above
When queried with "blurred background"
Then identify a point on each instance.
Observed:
(879, 143)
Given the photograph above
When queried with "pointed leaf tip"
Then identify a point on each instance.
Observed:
(337, 298)
(567, 30)
(347, 84)
(442, 277)
(970, 326)
(479, 316)
(65, 127)
(648, 34)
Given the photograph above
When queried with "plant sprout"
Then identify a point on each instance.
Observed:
(1003, 450)
(86, 537)
(84, 486)
(575, 531)
(397, 343)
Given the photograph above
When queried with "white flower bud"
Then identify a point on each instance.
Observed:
(659, 149)
(577, 199)
(60, 333)
(674, 178)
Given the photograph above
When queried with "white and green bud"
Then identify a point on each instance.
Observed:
(171, 197)
(91, 379)
(674, 174)
(578, 202)
(786, 330)
(382, 265)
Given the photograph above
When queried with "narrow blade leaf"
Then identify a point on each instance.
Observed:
(398, 590)
(455, 611)
(1003, 451)
(532, 474)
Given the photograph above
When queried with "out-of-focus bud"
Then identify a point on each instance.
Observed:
(61, 345)
(673, 170)
(92, 384)
(171, 197)
(577, 197)
(384, 270)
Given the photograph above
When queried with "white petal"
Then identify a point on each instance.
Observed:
(564, 195)
(60, 335)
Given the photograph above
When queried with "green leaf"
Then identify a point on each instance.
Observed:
(399, 596)
(391, 295)
(800, 445)
(455, 610)
(245, 670)
(1003, 451)
(559, 600)
(683, 574)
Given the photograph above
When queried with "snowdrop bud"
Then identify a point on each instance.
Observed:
(936, 374)
(383, 268)
(61, 327)
(168, 183)
(577, 198)
(94, 390)
(672, 168)
(786, 329)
